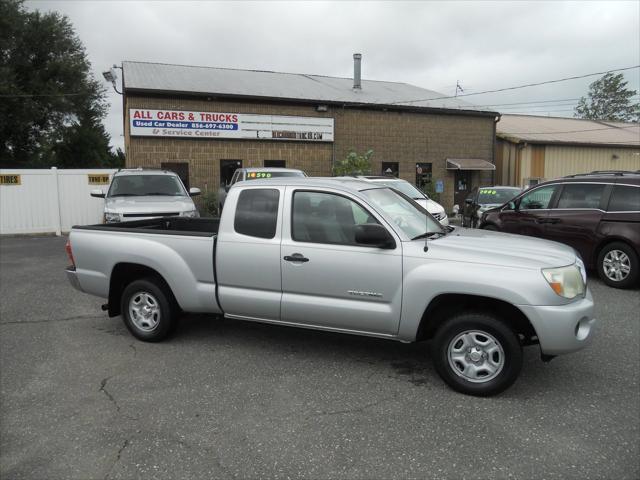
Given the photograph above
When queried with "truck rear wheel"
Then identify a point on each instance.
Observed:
(477, 354)
(148, 310)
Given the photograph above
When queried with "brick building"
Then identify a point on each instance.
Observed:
(204, 122)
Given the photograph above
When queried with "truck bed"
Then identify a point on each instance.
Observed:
(201, 227)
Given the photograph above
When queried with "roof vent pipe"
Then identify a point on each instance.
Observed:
(357, 59)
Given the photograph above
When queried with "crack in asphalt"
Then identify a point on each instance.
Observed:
(124, 445)
(53, 320)
(103, 389)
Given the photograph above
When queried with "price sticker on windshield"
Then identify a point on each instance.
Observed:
(256, 175)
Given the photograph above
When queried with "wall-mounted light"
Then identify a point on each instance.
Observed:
(614, 157)
(322, 108)
(111, 77)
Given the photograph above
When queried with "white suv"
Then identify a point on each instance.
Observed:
(137, 194)
(435, 209)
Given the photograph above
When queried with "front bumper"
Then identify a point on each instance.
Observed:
(563, 328)
(72, 276)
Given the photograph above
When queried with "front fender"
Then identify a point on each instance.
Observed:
(427, 279)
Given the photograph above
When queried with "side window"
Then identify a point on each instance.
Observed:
(538, 198)
(625, 199)
(257, 212)
(581, 195)
(326, 218)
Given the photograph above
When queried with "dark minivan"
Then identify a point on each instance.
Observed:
(597, 213)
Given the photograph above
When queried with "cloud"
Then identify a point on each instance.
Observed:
(483, 45)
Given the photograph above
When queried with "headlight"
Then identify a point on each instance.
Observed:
(110, 217)
(191, 213)
(565, 281)
(583, 270)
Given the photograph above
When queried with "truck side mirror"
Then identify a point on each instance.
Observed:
(97, 193)
(194, 192)
(375, 235)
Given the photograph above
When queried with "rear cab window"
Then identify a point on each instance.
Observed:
(257, 212)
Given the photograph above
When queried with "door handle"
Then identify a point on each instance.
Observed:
(296, 257)
(553, 220)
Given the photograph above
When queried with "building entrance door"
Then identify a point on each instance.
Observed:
(462, 186)
(227, 167)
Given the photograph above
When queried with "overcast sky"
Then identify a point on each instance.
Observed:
(484, 45)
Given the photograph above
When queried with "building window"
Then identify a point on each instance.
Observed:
(390, 169)
(423, 175)
(275, 164)
(257, 212)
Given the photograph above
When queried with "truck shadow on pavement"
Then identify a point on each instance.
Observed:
(375, 358)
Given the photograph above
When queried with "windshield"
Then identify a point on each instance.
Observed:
(412, 219)
(142, 185)
(406, 188)
(258, 175)
(496, 195)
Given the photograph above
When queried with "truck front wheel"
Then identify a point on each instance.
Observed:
(477, 354)
(148, 310)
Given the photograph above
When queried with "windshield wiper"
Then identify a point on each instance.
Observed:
(125, 195)
(427, 235)
(162, 194)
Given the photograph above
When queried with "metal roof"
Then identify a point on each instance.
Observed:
(537, 129)
(166, 78)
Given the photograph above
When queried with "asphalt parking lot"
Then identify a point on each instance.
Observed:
(81, 398)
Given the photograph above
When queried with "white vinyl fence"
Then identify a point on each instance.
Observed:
(50, 200)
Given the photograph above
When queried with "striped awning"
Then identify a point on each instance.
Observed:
(469, 164)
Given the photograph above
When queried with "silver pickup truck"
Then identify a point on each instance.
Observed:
(345, 256)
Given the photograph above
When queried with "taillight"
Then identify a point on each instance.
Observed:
(67, 248)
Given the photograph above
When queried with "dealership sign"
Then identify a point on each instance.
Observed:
(174, 123)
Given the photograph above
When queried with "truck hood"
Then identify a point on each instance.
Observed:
(149, 205)
(495, 248)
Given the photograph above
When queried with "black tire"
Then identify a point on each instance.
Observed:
(163, 313)
(491, 227)
(632, 263)
(508, 359)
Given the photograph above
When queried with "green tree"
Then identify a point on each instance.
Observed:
(50, 105)
(354, 164)
(609, 99)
